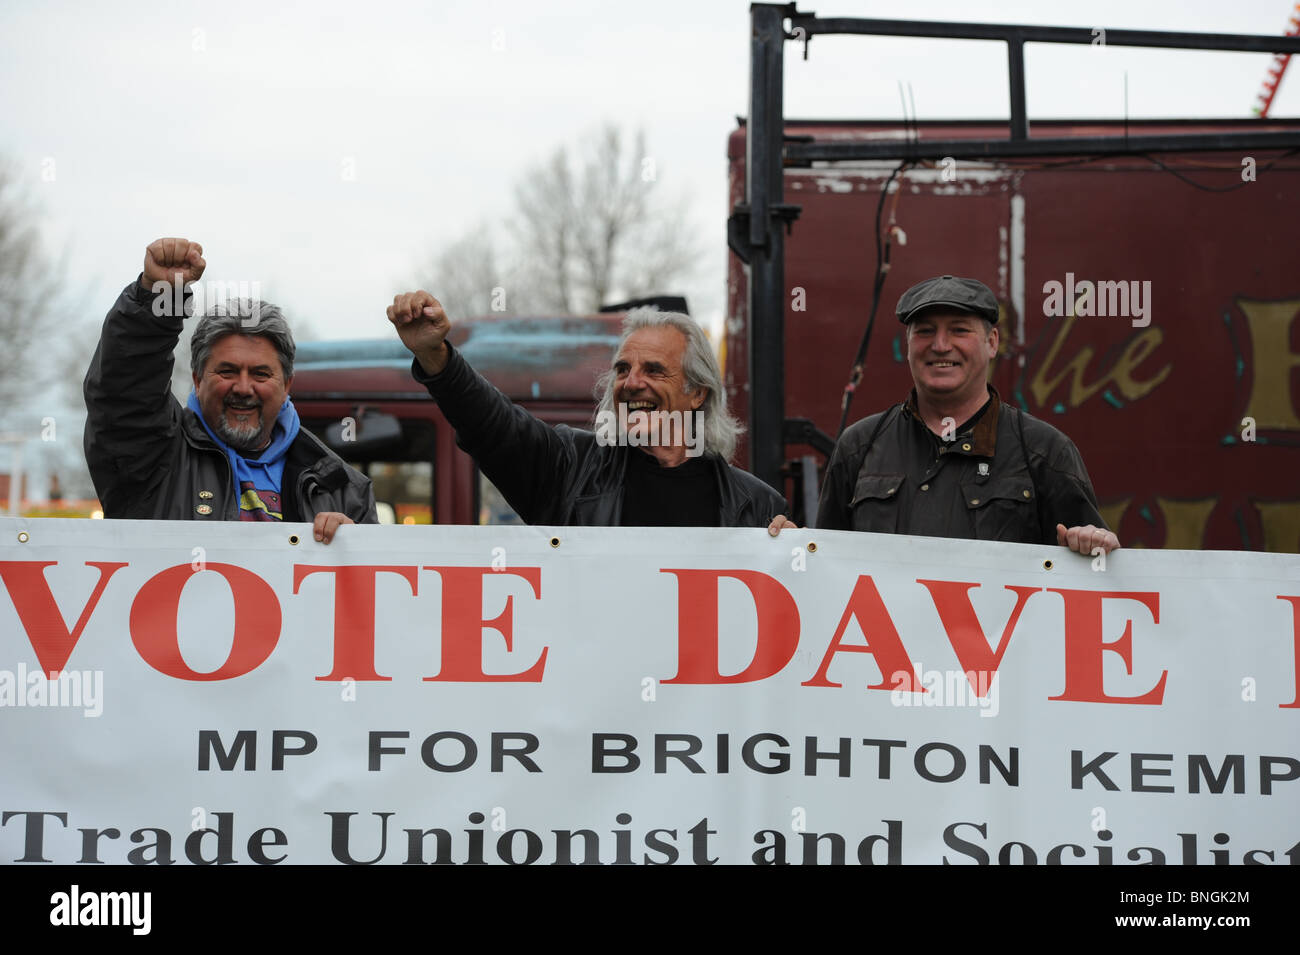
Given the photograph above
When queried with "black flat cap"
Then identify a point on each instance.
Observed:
(965, 295)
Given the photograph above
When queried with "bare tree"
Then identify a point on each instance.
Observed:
(585, 231)
(469, 280)
(544, 228)
(44, 338)
(32, 297)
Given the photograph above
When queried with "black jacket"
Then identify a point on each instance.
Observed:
(560, 475)
(1009, 477)
(150, 458)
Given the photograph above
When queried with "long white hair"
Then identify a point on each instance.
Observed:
(719, 431)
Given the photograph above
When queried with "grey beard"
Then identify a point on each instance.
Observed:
(243, 439)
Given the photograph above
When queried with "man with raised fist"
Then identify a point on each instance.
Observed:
(659, 454)
(237, 450)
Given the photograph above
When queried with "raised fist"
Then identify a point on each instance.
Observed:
(172, 261)
(422, 325)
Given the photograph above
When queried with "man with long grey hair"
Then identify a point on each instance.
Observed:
(658, 455)
(237, 450)
(706, 428)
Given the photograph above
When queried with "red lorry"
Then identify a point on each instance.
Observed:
(1150, 310)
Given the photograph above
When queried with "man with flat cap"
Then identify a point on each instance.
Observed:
(953, 460)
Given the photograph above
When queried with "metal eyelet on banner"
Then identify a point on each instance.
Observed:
(1047, 565)
(555, 542)
(812, 547)
(22, 537)
(293, 538)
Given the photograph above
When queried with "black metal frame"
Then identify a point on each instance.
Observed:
(757, 229)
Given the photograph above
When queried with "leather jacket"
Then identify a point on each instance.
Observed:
(151, 459)
(560, 475)
(1007, 477)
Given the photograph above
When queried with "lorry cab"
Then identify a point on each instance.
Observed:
(359, 397)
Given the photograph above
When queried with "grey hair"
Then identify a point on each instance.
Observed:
(719, 431)
(242, 317)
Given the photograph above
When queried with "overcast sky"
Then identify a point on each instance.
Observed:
(328, 149)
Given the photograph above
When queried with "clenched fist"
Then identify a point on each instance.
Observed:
(423, 326)
(172, 261)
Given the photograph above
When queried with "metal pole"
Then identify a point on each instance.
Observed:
(764, 189)
(1016, 72)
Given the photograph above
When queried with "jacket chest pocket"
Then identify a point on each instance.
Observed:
(591, 510)
(1004, 509)
(874, 506)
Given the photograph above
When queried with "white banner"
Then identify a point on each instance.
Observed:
(241, 694)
